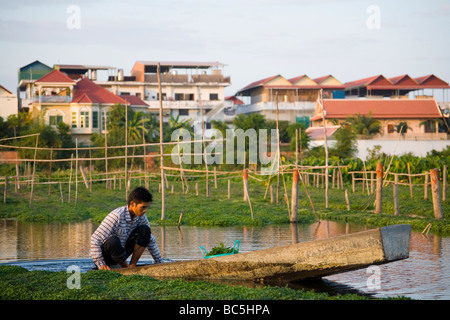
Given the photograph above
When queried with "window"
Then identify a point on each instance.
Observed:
(74, 120)
(213, 96)
(84, 119)
(183, 112)
(54, 120)
(95, 119)
(163, 96)
(179, 96)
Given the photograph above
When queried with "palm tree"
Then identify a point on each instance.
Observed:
(365, 126)
(175, 124)
(401, 127)
(136, 130)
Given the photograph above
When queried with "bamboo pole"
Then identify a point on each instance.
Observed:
(108, 183)
(229, 189)
(271, 194)
(347, 200)
(410, 180)
(245, 183)
(246, 194)
(444, 183)
(395, 196)
(436, 192)
(425, 187)
(325, 145)
(204, 145)
(379, 191)
(161, 148)
(76, 172)
(353, 182)
(294, 197)
(5, 190)
(70, 177)
(34, 169)
(126, 152)
(50, 173)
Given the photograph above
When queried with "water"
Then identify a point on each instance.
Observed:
(55, 246)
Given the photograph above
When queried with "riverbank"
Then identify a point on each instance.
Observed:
(217, 210)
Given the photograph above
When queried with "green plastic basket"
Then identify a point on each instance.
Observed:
(205, 253)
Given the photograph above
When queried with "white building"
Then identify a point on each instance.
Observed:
(8, 103)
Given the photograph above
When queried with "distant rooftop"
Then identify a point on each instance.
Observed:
(166, 66)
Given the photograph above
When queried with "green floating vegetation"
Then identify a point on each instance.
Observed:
(16, 283)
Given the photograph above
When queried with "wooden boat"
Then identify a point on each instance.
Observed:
(305, 260)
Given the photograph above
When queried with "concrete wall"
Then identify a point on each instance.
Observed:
(418, 148)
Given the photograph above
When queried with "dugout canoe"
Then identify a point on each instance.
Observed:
(305, 260)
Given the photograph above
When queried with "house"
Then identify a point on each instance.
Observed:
(82, 104)
(422, 118)
(186, 87)
(295, 97)
(8, 103)
(399, 87)
(26, 77)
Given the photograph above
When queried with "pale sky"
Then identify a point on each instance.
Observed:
(255, 38)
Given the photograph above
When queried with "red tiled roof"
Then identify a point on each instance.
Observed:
(371, 81)
(259, 82)
(55, 76)
(431, 81)
(316, 133)
(133, 100)
(399, 82)
(381, 108)
(235, 100)
(294, 80)
(88, 92)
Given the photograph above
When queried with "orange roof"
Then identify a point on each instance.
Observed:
(367, 82)
(86, 91)
(259, 82)
(55, 76)
(133, 100)
(380, 108)
(316, 133)
(431, 81)
(399, 82)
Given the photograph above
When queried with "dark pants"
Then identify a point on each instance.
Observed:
(114, 253)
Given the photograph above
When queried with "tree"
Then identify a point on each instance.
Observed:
(303, 138)
(345, 142)
(176, 124)
(252, 121)
(401, 127)
(365, 126)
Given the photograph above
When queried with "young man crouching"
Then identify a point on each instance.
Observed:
(124, 232)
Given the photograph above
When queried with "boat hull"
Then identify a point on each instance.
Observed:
(305, 260)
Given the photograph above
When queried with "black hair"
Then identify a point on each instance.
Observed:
(139, 194)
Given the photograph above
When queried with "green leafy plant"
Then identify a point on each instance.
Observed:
(220, 249)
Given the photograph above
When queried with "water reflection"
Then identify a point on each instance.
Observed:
(425, 275)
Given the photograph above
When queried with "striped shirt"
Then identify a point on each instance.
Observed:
(119, 223)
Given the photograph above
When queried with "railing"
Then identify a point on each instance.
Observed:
(185, 78)
(52, 99)
(300, 105)
(184, 104)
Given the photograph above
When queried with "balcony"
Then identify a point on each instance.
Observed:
(305, 106)
(52, 99)
(185, 78)
(184, 104)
